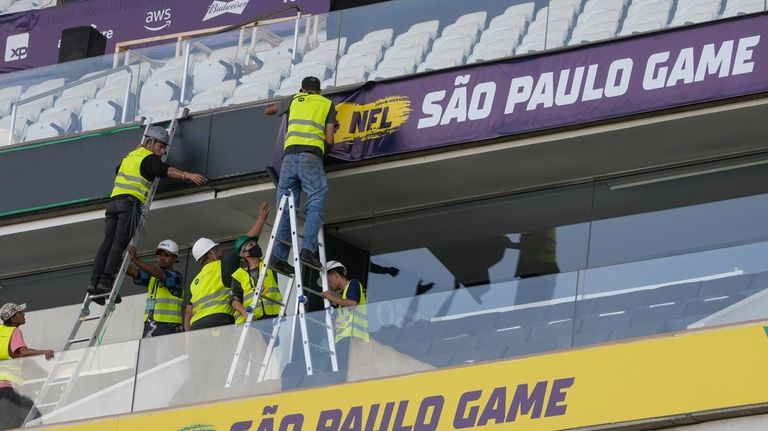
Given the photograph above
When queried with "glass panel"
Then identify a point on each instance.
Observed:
(103, 386)
(675, 254)
(481, 243)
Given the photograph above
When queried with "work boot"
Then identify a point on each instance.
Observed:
(309, 259)
(281, 266)
(98, 290)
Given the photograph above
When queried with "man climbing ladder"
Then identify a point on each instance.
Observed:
(309, 136)
(133, 180)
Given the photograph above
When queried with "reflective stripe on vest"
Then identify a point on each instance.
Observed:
(306, 120)
(209, 295)
(353, 321)
(10, 369)
(128, 180)
(264, 308)
(168, 308)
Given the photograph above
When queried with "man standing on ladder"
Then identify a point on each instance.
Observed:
(134, 178)
(14, 407)
(352, 318)
(163, 313)
(309, 136)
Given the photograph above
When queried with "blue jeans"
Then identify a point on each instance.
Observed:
(301, 172)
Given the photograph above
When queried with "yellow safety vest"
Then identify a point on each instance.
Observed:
(166, 308)
(129, 180)
(353, 321)
(10, 369)
(306, 120)
(270, 289)
(209, 295)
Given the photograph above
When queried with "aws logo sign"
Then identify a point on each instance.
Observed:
(372, 120)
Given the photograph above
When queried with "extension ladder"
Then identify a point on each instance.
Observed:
(45, 401)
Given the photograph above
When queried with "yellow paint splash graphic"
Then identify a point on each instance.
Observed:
(372, 120)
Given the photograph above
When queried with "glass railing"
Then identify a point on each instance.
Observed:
(341, 48)
(14, 6)
(502, 320)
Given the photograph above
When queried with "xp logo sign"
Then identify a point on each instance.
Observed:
(16, 47)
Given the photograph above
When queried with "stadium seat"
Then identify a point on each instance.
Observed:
(474, 17)
(172, 73)
(327, 56)
(743, 7)
(535, 45)
(270, 76)
(553, 26)
(439, 63)
(492, 46)
(430, 27)
(211, 72)
(337, 44)
(100, 113)
(456, 54)
(464, 43)
(599, 17)
(163, 111)
(525, 9)
(399, 51)
(156, 92)
(389, 72)
(288, 90)
(471, 29)
(317, 69)
(206, 100)
(405, 63)
(116, 94)
(692, 18)
(5, 4)
(641, 25)
(31, 110)
(384, 36)
(13, 93)
(55, 123)
(250, 92)
(231, 54)
(226, 87)
(283, 64)
(421, 39)
(556, 12)
(87, 90)
(508, 21)
(593, 5)
(43, 87)
(72, 103)
(638, 8)
(20, 126)
(507, 36)
(5, 106)
(22, 6)
(368, 61)
(352, 74)
(374, 47)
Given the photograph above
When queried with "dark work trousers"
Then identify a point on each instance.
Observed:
(122, 216)
(14, 408)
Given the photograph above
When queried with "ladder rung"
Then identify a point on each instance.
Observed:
(42, 406)
(315, 321)
(318, 346)
(88, 319)
(60, 382)
(100, 295)
(68, 361)
(79, 340)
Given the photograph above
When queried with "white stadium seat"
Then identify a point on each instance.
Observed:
(476, 17)
(207, 100)
(13, 92)
(210, 72)
(385, 73)
(384, 36)
(471, 29)
(508, 21)
(430, 27)
(448, 42)
(502, 35)
(641, 27)
(367, 61)
(487, 56)
(692, 18)
(72, 103)
(405, 63)
(421, 39)
(440, 63)
(270, 76)
(326, 55)
(456, 55)
(87, 90)
(339, 44)
(283, 64)
(100, 113)
(163, 111)
(374, 47)
(250, 92)
(313, 68)
(397, 51)
(157, 92)
(525, 9)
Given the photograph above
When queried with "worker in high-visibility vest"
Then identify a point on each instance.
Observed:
(14, 407)
(308, 138)
(164, 309)
(352, 318)
(133, 179)
(210, 303)
(245, 278)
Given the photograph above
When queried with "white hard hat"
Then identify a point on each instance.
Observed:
(331, 265)
(168, 245)
(201, 247)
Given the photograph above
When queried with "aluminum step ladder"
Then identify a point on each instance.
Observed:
(240, 361)
(47, 400)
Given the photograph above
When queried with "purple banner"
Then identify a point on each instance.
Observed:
(625, 77)
(32, 38)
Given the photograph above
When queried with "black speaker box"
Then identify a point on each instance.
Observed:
(81, 42)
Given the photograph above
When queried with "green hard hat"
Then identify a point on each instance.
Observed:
(239, 242)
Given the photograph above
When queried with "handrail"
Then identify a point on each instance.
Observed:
(56, 91)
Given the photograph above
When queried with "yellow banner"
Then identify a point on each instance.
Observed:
(659, 377)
